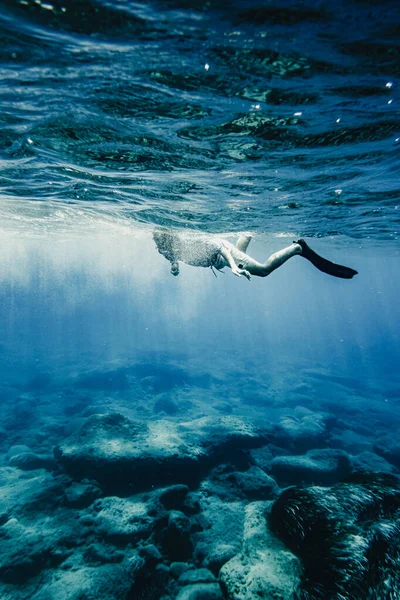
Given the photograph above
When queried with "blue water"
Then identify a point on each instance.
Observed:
(223, 117)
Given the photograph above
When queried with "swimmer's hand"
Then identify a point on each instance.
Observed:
(239, 272)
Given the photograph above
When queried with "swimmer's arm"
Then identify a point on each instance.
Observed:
(229, 259)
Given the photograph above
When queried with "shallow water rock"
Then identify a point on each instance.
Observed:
(324, 467)
(122, 453)
(264, 568)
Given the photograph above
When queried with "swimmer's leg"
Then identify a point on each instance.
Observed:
(274, 261)
(243, 242)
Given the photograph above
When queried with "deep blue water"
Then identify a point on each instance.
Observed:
(278, 118)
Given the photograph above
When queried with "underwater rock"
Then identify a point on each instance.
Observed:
(300, 434)
(165, 404)
(151, 554)
(122, 520)
(81, 494)
(176, 541)
(28, 461)
(121, 453)
(16, 449)
(369, 462)
(261, 457)
(347, 537)
(196, 576)
(221, 536)
(254, 484)
(177, 568)
(389, 448)
(264, 568)
(25, 552)
(200, 591)
(218, 556)
(173, 496)
(230, 485)
(29, 492)
(323, 467)
(105, 582)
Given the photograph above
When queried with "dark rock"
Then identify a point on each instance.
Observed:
(97, 553)
(120, 453)
(151, 555)
(191, 505)
(347, 536)
(28, 461)
(177, 541)
(229, 485)
(196, 576)
(262, 457)
(177, 568)
(149, 583)
(324, 467)
(81, 495)
(254, 484)
(173, 496)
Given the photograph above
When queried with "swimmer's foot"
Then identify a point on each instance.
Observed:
(323, 264)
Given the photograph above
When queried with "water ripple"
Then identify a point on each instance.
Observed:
(218, 116)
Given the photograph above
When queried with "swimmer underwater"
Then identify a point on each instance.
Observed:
(200, 250)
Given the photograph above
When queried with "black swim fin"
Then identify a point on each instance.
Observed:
(325, 265)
